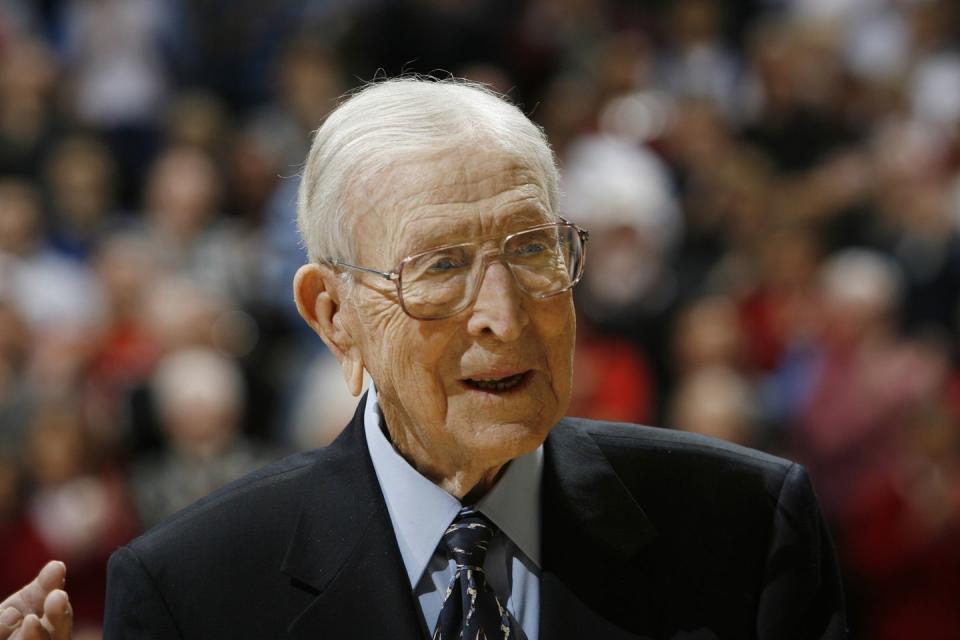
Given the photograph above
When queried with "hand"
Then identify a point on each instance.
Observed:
(39, 611)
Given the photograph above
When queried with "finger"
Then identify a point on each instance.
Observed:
(58, 615)
(9, 620)
(30, 598)
(31, 629)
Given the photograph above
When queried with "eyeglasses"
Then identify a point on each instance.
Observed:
(545, 260)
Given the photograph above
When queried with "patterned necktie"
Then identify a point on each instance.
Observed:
(471, 610)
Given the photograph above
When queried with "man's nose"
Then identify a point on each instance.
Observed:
(499, 307)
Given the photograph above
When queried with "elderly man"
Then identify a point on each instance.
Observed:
(459, 502)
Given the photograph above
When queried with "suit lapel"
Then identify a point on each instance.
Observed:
(593, 531)
(345, 552)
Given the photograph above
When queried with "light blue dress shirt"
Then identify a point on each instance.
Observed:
(421, 511)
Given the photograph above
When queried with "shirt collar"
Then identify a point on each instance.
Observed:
(513, 504)
(421, 511)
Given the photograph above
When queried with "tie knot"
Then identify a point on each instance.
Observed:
(468, 537)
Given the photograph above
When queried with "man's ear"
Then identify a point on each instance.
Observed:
(317, 292)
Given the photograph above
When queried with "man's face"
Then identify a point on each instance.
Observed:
(426, 372)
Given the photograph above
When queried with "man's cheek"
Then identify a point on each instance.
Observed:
(382, 317)
(386, 328)
(556, 317)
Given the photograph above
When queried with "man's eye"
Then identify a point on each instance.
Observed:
(442, 265)
(531, 249)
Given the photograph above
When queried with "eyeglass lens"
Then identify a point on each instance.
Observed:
(544, 261)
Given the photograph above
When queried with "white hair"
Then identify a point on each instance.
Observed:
(394, 120)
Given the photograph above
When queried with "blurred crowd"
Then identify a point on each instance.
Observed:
(772, 189)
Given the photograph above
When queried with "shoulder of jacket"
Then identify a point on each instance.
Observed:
(626, 439)
(275, 484)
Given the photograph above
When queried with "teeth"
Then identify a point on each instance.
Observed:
(497, 385)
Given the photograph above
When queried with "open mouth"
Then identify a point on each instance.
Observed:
(497, 385)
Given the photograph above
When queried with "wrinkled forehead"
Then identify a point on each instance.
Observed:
(444, 197)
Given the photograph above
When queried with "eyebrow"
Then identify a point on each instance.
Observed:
(439, 237)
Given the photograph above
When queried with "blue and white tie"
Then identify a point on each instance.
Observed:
(471, 610)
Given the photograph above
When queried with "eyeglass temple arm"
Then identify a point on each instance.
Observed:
(389, 275)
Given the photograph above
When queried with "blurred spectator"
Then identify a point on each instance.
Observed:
(252, 174)
(777, 307)
(612, 380)
(622, 63)
(29, 123)
(16, 17)
(156, 314)
(708, 335)
(568, 110)
(698, 62)
(56, 295)
(127, 351)
(715, 402)
(863, 380)
(119, 57)
(622, 194)
(551, 37)
(80, 179)
(179, 312)
(309, 81)
(712, 392)
(183, 224)
(114, 50)
(235, 44)
(934, 89)
(321, 407)
(78, 510)
(282, 253)
(915, 226)
(198, 120)
(198, 395)
(797, 88)
(308, 84)
(20, 218)
(15, 400)
(901, 532)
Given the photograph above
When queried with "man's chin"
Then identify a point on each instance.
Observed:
(504, 441)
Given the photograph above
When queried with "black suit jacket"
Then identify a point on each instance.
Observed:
(647, 533)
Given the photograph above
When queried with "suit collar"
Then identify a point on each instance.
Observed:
(593, 533)
(344, 550)
(585, 488)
